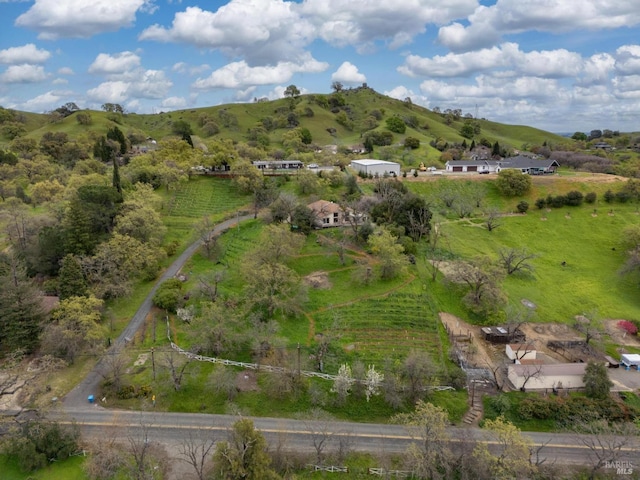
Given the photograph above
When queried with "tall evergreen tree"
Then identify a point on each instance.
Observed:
(21, 311)
(71, 281)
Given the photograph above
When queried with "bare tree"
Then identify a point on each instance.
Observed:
(114, 369)
(197, 451)
(321, 432)
(482, 277)
(208, 284)
(417, 372)
(355, 213)
(590, 325)
(204, 229)
(529, 372)
(176, 365)
(148, 458)
(516, 260)
(608, 443)
(419, 223)
(492, 219)
(498, 373)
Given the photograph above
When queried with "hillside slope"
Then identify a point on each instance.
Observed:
(332, 119)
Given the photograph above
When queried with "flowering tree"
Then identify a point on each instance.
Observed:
(628, 327)
(372, 382)
(343, 382)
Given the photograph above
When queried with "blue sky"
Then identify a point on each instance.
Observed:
(560, 65)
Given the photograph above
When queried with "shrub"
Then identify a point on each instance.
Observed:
(574, 198)
(522, 207)
(396, 124)
(609, 196)
(558, 201)
(540, 203)
(591, 197)
(628, 327)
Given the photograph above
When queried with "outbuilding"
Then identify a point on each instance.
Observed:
(378, 168)
(547, 377)
(630, 360)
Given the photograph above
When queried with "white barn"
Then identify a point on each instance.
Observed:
(376, 167)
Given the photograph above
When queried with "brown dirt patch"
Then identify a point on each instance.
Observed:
(318, 280)
(619, 336)
(246, 381)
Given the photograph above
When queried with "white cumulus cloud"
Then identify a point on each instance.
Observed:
(487, 24)
(80, 18)
(122, 62)
(348, 73)
(28, 53)
(238, 75)
(23, 74)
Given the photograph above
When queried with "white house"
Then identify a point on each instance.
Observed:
(376, 167)
(525, 164)
(547, 377)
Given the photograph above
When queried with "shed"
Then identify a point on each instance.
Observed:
(630, 360)
(520, 351)
(376, 167)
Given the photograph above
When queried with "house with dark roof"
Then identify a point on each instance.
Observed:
(532, 166)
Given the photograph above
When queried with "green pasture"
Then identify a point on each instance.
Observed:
(590, 245)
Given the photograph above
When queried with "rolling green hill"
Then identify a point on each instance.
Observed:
(360, 109)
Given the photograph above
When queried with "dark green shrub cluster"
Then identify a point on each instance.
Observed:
(564, 409)
(572, 199)
(130, 391)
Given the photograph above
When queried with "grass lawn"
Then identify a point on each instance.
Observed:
(70, 469)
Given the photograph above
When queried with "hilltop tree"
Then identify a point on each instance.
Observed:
(336, 86)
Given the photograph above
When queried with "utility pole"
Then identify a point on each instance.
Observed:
(153, 363)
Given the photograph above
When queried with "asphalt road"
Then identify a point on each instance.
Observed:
(172, 429)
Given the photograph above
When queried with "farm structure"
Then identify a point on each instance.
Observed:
(547, 377)
(520, 351)
(278, 164)
(502, 335)
(376, 167)
(525, 164)
(630, 360)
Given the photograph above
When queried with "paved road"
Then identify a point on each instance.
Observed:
(172, 429)
(90, 385)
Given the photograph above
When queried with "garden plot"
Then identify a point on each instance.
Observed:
(205, 196)
(385, 328)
